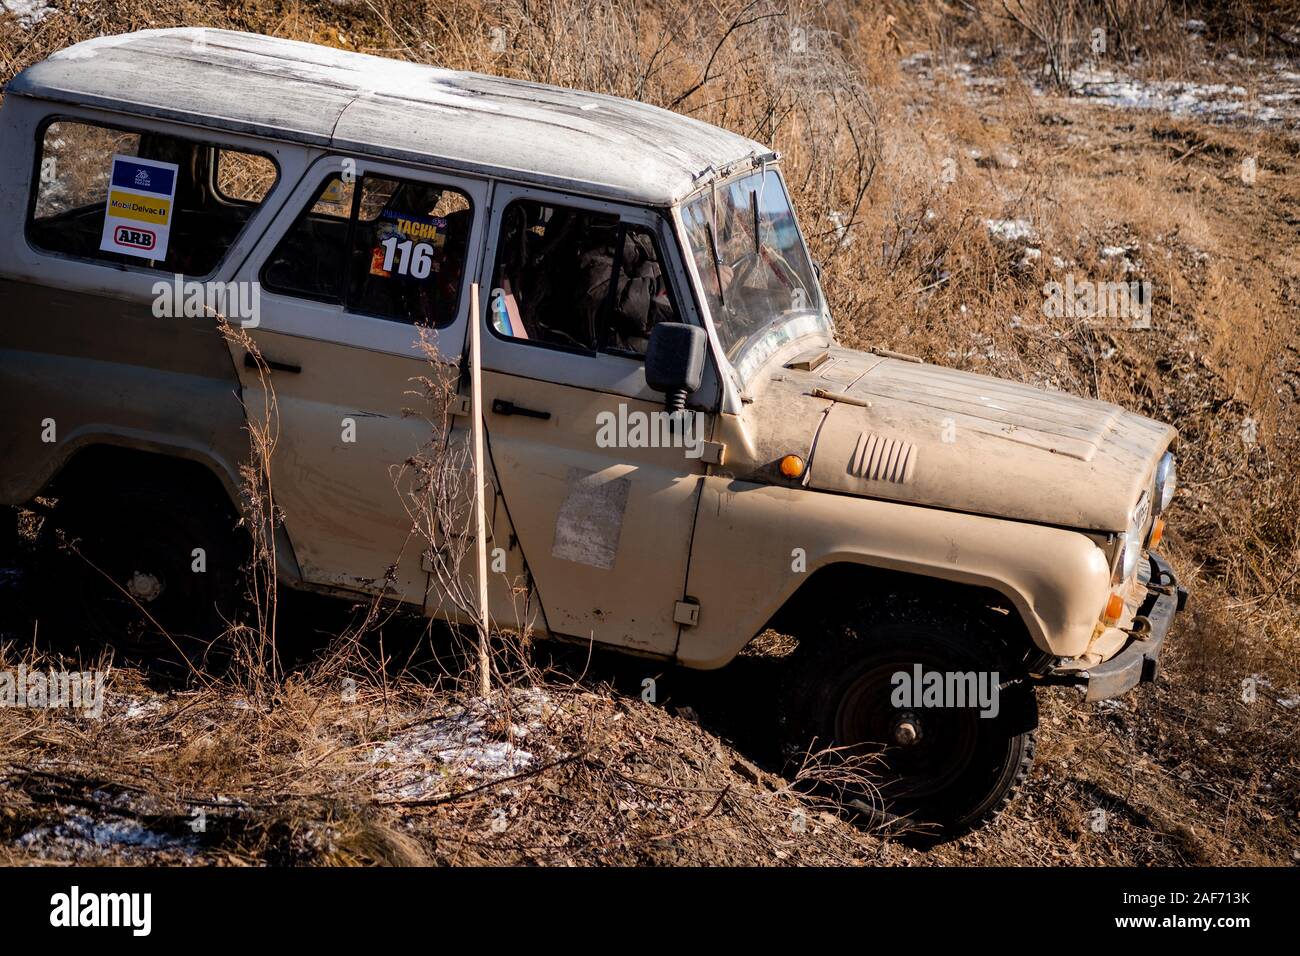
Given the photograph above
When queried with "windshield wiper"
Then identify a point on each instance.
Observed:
(717, 269)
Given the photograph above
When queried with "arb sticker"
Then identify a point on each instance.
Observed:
(137, 219)
(145, 239)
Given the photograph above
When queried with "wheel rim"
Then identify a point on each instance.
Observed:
(922, 750)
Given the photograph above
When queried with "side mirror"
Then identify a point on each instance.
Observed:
(674, 361)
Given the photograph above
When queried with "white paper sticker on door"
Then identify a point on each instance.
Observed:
(590, 521)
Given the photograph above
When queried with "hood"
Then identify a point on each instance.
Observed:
(894, 428)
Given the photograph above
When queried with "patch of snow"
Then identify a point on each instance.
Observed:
(28, 12)
(1121, 255)
(1009, 230)
(1212, 100)
(418, 757)
(79, 834)
(1277, 90)
(137, 707)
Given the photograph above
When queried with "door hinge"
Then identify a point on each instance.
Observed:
(460, 405)
(687, 613)
(713, 452)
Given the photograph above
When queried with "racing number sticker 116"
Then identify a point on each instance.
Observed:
(409, 245)
(138, 214)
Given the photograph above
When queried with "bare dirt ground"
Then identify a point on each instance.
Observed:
(990, 181)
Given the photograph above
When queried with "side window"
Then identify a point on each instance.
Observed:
(308, 261)
(577, 279)
(143, 199)
(390, 248)
(242, 177)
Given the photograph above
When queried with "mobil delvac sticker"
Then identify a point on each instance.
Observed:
(138, 216)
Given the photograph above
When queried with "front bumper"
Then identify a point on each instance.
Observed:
(1138, 662)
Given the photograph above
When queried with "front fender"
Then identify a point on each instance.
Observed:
(744, 558)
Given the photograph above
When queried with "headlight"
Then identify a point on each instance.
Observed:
(1166, 481)
(1130, 542)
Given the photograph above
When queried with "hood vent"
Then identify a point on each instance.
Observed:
(876, 458)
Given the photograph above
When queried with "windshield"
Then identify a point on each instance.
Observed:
(754, 269)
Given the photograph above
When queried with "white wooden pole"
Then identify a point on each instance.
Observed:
(480, 506)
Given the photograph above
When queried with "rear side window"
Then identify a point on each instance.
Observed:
(143, 199)
(391, 248)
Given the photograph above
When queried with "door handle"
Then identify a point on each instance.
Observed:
(250, 362)
(502, 407)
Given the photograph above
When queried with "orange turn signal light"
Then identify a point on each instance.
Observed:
(792, 466)
(1157, 532)
(1114, 610)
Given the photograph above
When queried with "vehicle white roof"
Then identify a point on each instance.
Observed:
(356, 103)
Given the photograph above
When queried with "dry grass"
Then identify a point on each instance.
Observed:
(325, 777)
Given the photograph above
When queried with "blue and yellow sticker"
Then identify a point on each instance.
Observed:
(138, 210)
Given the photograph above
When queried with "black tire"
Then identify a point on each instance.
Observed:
(130, 580)
(945, 770)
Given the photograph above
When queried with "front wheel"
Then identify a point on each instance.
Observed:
(933, 706)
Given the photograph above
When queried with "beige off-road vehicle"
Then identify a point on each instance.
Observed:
(680, 453)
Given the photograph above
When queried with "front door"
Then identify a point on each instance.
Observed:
(364, 253)
(600, 493)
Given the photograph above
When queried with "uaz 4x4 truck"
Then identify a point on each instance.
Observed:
(681, 454)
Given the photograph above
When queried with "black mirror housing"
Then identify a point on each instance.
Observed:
(674, 361)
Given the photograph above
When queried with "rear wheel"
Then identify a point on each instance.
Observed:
(153, 569)
(934, 705)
